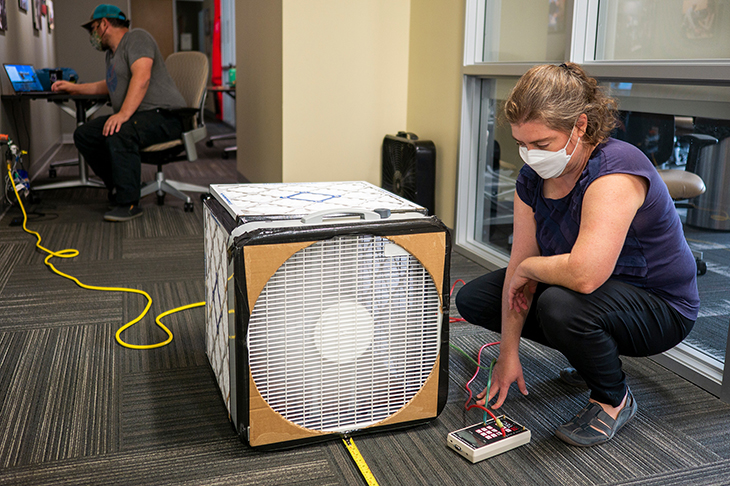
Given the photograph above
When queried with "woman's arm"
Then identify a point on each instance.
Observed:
(609, 206)
(509, 369)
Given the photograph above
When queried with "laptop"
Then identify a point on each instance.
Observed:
(24, 79)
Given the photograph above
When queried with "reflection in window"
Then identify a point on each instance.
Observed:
(527, 30)
(663, 29)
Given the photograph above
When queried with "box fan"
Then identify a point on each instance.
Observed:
(409, 168)
(327, 310)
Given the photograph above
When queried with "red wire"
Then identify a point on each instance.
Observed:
(456, 319)
(479, 361)
(479, 365)
(452, 287)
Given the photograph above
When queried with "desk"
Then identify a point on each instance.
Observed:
(85, 106)
(230, 91)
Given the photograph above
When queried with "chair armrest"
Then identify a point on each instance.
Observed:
(189, 140)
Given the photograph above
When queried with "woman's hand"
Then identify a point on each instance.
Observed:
(521, 290)
(507, 370)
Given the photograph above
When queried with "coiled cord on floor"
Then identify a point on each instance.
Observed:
(71, 253)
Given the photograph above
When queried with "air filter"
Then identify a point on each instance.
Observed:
(326, 309)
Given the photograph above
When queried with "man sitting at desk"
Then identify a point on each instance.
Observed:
(141, 92)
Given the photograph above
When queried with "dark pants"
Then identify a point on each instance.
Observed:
(591, 330)
(116, 158)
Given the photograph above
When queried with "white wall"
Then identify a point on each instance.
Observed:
(34, 125)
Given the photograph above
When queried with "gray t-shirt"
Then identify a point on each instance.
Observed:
(161, 93)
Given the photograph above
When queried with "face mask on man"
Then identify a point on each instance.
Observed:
(95, 40)
(547, 164)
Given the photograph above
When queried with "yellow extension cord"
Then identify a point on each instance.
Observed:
(71, 253)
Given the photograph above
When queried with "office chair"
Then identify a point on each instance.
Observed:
(654, 134)
(190, 72)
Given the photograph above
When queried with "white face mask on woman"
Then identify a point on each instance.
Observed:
(547, 164)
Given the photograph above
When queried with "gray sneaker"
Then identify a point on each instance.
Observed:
(123, 212)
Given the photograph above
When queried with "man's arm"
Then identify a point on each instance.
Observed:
(97, 88)
(138, 84)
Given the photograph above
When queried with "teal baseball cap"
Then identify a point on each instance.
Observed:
(105, 11)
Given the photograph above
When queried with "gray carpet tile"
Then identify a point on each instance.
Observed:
(164, 221)
(176, 247)
(59, 394)
(10, 253)
(187, 327)
(707, 475)
(93, 241)
(214, 463)
(165, 408)
(33, 308)
(110, 273)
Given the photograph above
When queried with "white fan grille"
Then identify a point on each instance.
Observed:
(345, 333)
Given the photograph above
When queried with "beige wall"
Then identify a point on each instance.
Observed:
(320, 83)
(344, 86)
(21, 43)
(434, 89)
(259, 90)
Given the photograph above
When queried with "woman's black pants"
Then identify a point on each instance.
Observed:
(591, 330)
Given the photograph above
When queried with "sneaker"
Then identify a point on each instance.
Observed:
(123, 212)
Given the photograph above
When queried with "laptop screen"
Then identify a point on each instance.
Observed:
(23, 77)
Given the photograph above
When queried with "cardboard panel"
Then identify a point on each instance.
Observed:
(423, 405)
(430, 250)
(268, 426)
(262, 262)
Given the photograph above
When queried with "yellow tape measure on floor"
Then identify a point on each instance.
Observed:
(361, 464)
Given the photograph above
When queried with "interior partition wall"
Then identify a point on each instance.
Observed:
(667, 59)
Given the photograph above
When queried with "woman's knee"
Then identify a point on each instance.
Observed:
(556, 313)
(466, 302)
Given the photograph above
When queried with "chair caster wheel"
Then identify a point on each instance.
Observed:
(160, 200)
(209, 143)
(52, 173)
(188, 207)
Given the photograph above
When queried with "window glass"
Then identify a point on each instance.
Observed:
(498, 166)
(527, 30)
(663, 30)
